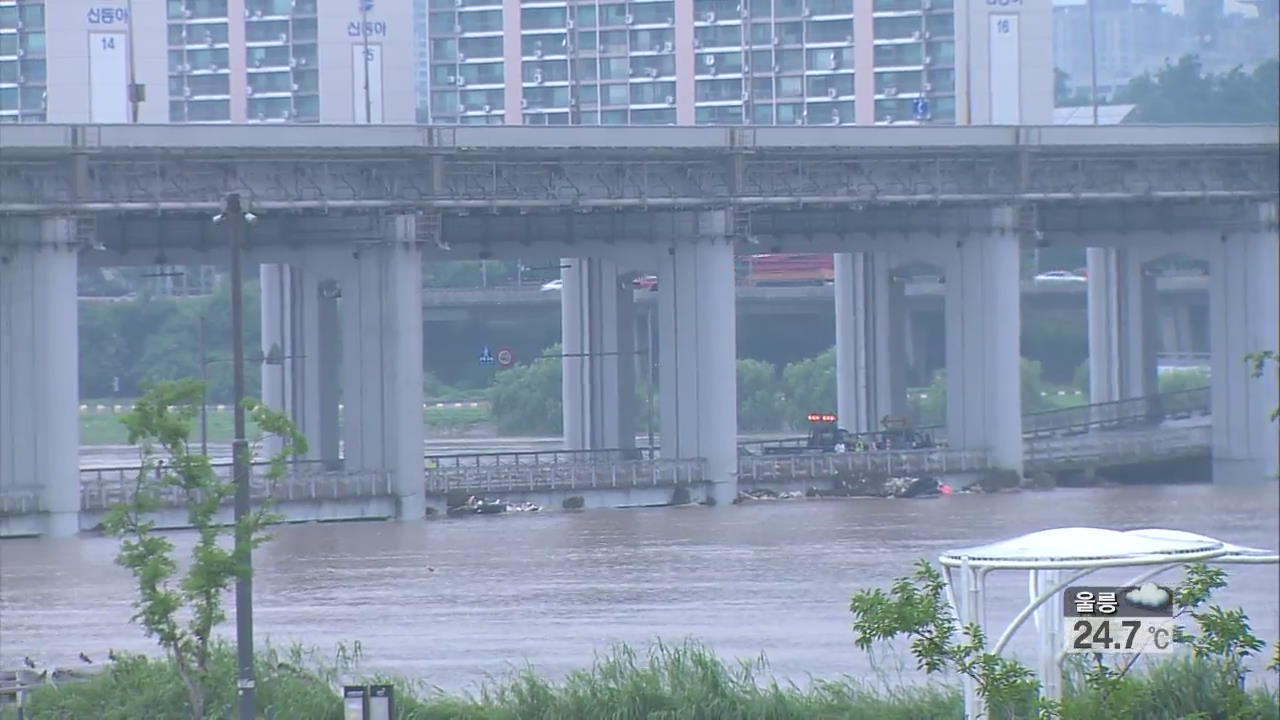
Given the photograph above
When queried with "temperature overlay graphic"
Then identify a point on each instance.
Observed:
(1118, 619)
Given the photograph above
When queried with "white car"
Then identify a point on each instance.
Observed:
(556, 284)
(1060, 276)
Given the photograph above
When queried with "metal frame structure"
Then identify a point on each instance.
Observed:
(1043, 556)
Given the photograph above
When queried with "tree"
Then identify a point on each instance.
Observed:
(761, 405)
(1063, 95)
(1258, 362)
(1184, 93)
(526, 400)
(152, 340)
(810, 386)
(181, 610)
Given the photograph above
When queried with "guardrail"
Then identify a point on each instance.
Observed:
(106, 490)
(1149, 409)
(934, 461)
(1098, 450)
(542, 457)
(223, 468)
(625, 474)
(20, 500)
(1122, 413)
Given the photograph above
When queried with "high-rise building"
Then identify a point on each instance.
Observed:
(767, 62)
(207, 61)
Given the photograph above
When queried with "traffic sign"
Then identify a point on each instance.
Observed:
(486, 357)
(505, 357)
(920, 108)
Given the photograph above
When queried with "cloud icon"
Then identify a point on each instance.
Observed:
(1150, 595)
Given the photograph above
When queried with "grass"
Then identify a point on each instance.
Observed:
(106, 429)
(668, 682)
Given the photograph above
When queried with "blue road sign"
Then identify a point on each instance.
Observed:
(486, 357)
(920, 108)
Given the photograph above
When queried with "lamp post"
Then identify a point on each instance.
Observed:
(237, 219)
(1093, 62)
(365, 6)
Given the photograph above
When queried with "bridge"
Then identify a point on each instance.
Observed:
(1170, 426)
(343, 217)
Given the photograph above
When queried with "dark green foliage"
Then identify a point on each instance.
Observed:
(1183, 93)
(810, 386)
(526, 400)
(761, 404)
(150, 340)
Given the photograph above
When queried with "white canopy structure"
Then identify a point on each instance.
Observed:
(1079, 551)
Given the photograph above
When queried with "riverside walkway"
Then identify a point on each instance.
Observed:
(1142, 430)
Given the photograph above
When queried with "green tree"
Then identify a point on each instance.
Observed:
(1258, 362)
(149, 340)
(182, 609)
(1183, 93)
(932, 410)
(525, 399)
(761, 405)
(810, 386)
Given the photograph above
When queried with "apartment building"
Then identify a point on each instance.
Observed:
(761, 62)
(207, 61)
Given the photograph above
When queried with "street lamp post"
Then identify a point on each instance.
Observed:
(236, 219)
(365, 6)
(1093, 62)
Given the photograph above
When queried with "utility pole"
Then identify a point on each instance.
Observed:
(1093, 62)
(364, 33)
(236, 219)
(135, 93)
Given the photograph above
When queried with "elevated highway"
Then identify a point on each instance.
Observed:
(346, 215)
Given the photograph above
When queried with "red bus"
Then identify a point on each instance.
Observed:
(793, 269)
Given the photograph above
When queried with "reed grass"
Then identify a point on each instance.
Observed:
(665, 682)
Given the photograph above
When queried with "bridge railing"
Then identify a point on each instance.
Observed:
(20, 500)
(1119, 413)
(799, 444)
(1082, 418)
(1099, 448)
(542, 457)
(305, 481)
(763, 468)
(624, 474)
(223, 468)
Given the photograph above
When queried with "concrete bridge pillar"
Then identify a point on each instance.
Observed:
(698, 395)
(984, 399)
(1123, 325)
(871, 341)
(381, 311)
(295, 347)
(597, 325)
(39, 366)
(1244, 317)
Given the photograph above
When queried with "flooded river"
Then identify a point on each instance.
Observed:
(549, 589)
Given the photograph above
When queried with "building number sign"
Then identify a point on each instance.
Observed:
(108, 16)
(370, 29)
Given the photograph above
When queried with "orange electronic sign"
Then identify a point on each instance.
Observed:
(822, 417)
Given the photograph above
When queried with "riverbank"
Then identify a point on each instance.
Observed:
(684, 680)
